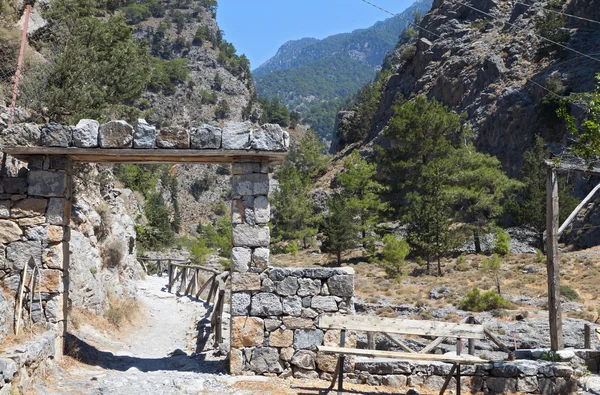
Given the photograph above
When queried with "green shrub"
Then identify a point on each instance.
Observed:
(502, 244)
(201, 185)
(167, 74)
(136, 13)
(208, 97)
(394, 254)
(539, 256)
(568, 292)
(476, 301)
(461, 264)
(223, 110)
(199, 252)
(292, 248)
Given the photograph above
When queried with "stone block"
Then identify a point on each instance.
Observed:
(271, 324)
(4, 209)
(55, 135)
(18, 253)
(48, 183)
(307, 374)
(266, 304)
(308, 313)
(236, 135)
(395, 380)
(30, 221)
(14, 185)
(260, 257)
(515, 368)
(144, 135)
(245, 282)
(37, 232)
(55, 233)
(240, 259)
(245, 168)
(266, 360)
(52, 257)
(54, 311)
(501, 385)
(281, 338)
(250, 184)
(9, 231)
(206, 137)
(51, 281)
(173, 137)
(116, 134)
(304, 359)
(308, 338)
(326, 362)
(31, 207)
(309, 287)
(528, 384)
(323, 303)
(247, 332)
(292, 305)
(262, 210)
(240, 303)
(287, 354)
(21, 135)
(341, 285)
(270, 137)
(297, 323)
(236, 361)
(251, 236)
(59, 162)
(57, 212)
(289, 286)
(332, 339)
(85, 134)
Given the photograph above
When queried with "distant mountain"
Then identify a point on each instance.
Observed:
(315, 77)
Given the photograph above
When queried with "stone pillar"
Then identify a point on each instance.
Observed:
(250, 255)
(35, 211)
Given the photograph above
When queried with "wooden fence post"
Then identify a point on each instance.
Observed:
(552, 266)
(587, 336)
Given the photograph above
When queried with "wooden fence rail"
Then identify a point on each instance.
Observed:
(159, 265)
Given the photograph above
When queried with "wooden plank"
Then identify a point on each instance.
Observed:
(448, 378)
(552, 265)
(432, 345)
(578, 209)
(587, 336)
(407, 327)
(398, 342)
(496, 341)
(209, 281)
(205, 269)
(576, 165)
(371, 340)
(465, 358)
(20, 297)
(129, 155)
(180, 272)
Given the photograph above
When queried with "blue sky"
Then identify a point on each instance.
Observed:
(259, 27)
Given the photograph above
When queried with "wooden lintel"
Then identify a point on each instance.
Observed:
(575, 165)
(129, 155)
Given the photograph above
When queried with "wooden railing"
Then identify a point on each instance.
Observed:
(159, 265)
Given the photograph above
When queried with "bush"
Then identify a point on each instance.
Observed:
(199, 252)
(477, 301)
(121, 310)
(502, 244)
(223, 110)
(167, 74)
(113, 252)
(394, 254)
(201, 185)
(568, 292)
(292, 248)
(461, 264)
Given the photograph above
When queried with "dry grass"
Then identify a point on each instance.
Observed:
(106, 221)
(122, 311)
(113, 252)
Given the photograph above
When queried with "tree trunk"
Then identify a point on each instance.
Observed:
(428, 266)
(498, 286)
(439, 266)
(541, 241)
(339, 257)
(477, 241)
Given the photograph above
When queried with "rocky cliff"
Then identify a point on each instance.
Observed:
(486, 59)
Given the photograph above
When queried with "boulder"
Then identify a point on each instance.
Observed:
(206, 137)
(304, 359)
(173, 137)
(236, 135)
(281, 338)
(55, 135)
(21, 135)
(270, 137)
(266, 304)
(144, 136)
(85, 134)
(266, 360)
(240, 303)
(308, 338)
(288, 286)
(341, 285)
(116, 134)
(247, 332)
(292, 305)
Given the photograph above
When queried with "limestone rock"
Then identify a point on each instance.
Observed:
(144, 136)
(21, 135)
(271, 324)
(18, 253)
(85, 134)
(116, 134)
(288, 286)
(308, 338)
(14, 185)
(341, 285)
(326, 362)
(173, 137)
(292, 305)
(57, 211)
(31, 207)
(501, 385)
(297, 323)
(266, 360)
(240, 259)
(4, 209)
(267, 285)
(55, 135)
(247, 332)
(47, 183)
(287, 354)
(9, 231)
(240, 303)
(281, 338)
(262, 210)
(270, 137)
(237, 135)
(251, 236)
(260, 257)
(206, 137)
(250, 184)
(236, 361)
(245, 282)
(51, 281)
(324, 303)
(304, 359)
(309, 287)
(266, 304)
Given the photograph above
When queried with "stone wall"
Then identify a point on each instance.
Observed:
(34, 216)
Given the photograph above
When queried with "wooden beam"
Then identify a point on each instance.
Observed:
(398, 342)
(405, 327)
(465, 358)
(578, 209)
(575, 165)
(130, 155)
(552, 264)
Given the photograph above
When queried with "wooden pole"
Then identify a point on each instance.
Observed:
(20, 304)
(587, 336)
(552, 265)
(471, 342)
(577, 209)
(371, 340)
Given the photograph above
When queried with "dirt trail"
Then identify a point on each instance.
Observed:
(158, 356)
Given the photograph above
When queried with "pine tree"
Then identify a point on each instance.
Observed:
(340, 227)
(309, 158)
(493, 266)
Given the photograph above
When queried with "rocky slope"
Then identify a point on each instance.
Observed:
(485, 58)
